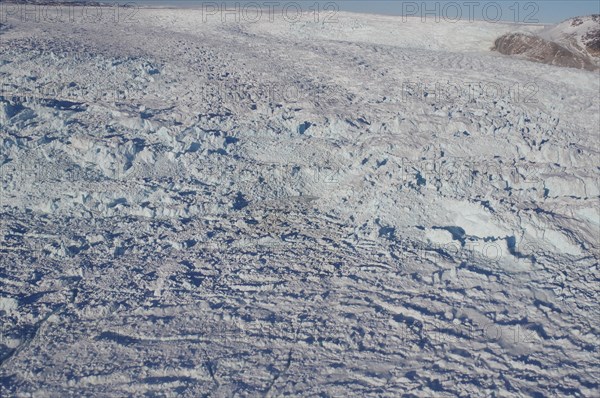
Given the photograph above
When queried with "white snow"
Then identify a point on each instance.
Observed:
(370, 207)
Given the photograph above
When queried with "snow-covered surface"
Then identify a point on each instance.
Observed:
(577, 34)
(279, 209)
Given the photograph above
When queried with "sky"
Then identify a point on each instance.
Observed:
(545, 11)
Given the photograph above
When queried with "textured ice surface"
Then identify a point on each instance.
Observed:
(368, 207)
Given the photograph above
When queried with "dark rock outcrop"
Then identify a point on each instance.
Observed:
(573, 43)
(537, 49)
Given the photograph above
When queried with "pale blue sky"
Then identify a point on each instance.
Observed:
(546, 11)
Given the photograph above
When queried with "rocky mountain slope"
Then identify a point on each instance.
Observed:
(574, 43)
(581, 34)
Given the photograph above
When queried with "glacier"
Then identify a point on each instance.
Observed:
(360, 205)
